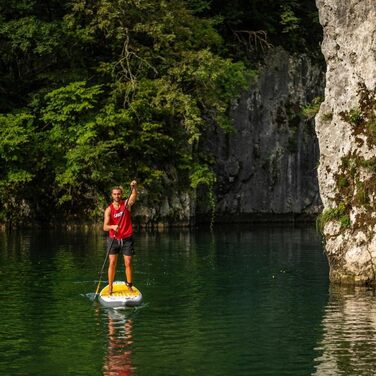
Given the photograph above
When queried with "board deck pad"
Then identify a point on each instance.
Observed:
(121, 296)
(120, 290)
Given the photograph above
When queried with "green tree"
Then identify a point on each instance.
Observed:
(106, 91)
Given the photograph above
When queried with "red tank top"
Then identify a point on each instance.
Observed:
(122, 216)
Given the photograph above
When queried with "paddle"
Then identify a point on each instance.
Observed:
(108, 250)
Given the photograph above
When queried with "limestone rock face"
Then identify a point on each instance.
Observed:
(177, 209)
(268, 166)
(346, 129)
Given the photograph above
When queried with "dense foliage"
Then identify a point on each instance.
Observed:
(93, 93)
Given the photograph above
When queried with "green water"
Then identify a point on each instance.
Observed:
(241, 301)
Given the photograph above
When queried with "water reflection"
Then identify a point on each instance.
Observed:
(239, 301)
(118, 358)
(349, 333)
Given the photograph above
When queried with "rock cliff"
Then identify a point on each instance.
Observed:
(267, 167)
(346, 129)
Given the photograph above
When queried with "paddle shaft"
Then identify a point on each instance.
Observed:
(109, 248)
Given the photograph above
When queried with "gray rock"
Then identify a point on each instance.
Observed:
(268, 165)
(344, 128)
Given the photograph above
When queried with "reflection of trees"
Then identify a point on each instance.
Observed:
(349, 326)
(118, 359)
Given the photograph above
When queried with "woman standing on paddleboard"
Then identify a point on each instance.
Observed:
(117, 220)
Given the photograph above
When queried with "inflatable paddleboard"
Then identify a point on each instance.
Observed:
(121, 297)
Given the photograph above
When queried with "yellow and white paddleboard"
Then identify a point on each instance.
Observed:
(121, 296)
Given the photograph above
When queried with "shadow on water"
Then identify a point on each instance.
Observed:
(347, 346)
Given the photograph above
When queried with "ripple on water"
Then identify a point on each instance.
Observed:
(348, 342)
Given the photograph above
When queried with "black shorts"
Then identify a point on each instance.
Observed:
(125, 246)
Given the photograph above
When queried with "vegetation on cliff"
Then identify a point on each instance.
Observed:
(355, 179)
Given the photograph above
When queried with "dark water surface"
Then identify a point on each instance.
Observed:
(241, 301)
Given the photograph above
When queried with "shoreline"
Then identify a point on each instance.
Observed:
(197, 222)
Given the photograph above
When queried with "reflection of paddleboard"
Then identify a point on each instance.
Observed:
(121, 296)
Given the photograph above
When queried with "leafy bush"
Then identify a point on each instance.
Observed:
(102, 96)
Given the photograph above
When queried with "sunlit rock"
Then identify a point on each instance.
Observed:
(346, 129)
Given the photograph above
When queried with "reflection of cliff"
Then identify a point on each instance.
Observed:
(118, 360)
(349, 325)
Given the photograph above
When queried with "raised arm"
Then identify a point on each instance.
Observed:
(133, 197)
